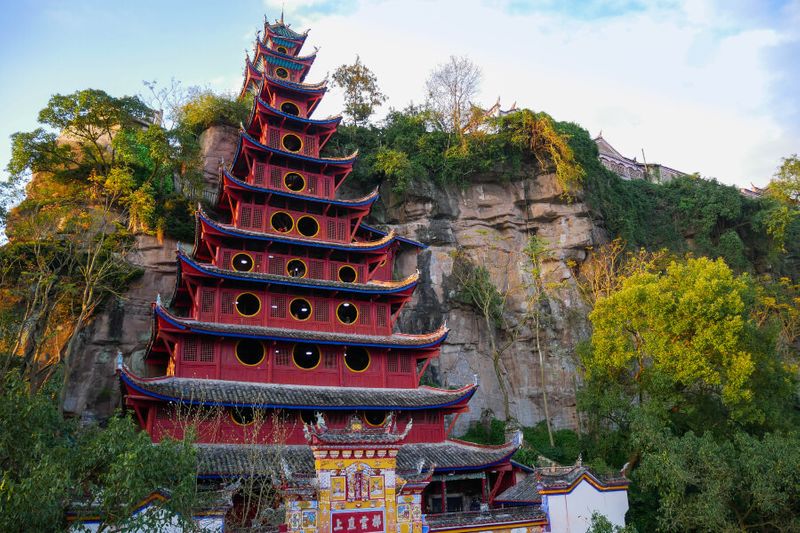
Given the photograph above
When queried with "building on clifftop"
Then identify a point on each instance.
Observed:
(631, 169)
(278, 347)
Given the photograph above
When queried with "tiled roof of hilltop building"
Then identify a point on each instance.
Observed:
(221, 393)
(509, 518)
(557, 480)
(230, 460)
(395, 340)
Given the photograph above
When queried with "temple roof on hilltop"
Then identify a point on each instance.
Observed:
(231, 180)
(186, 264)
(226, 229)
(395, 340)
(246, 139)
(604, 148)
(558, 480)
(511, 517)
(233, 460)
(221, 393)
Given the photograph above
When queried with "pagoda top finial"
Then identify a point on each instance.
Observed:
(283, 5)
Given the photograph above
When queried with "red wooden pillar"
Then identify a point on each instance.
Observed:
(444, 496)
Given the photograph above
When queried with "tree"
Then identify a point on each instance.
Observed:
(361, 92)
(451, 87)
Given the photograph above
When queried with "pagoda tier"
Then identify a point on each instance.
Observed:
(270, 125)
(275, 90)
(280, 65)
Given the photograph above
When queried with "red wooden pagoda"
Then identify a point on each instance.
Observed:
(283, 318)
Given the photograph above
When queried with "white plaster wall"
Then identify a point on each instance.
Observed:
(572, 513)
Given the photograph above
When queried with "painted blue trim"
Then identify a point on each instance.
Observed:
(315, 122)
(320, 161)
(152, 394)
(275, 238)
(235, 335)
(525, 468)
(343, 203)
(290, 283)
(281, 62)
(283, 42)
(401, 239)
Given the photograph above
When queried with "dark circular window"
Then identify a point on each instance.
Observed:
(290, 108)
(347, 274)
(249, 352)
(296, 268)
(347, 312)
(308, 417)
(242, 262)
(307, 226)
(281, 222)
(292, 142)
(248, 304)
(282, 49)
(356, 358)
(294, 181)
(281, 73)
(300, 309)
(375, 418)
(244, 416)
(306, 356)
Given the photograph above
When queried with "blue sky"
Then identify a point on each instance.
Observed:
(701, 85)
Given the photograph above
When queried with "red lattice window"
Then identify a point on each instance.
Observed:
(326, 187)
(310, 146)
(276, 265)
(226, 259)
(275, 178)
(332, 231)
(207, 300)
(381, 316)
(190, 349)
(277, 307)
(281, 356)
(258, 173)
(391, 362)
(342, 231)
(312, 184)
(364, 315)
(331, 358)
(333, 271)
(274, 138)
(405, 364)
(258, 218)
(360, 270)
(317, 269)
(322, 311)
(245, 216)
(226, 303)
(207, 351)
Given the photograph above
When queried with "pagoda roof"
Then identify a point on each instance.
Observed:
(293, 85)
(221, 393)
(395, 340)
(245, 138)
(307, 60)
(280, 29)
(260, 105)
(506, 518)
(226, 229)
(230, 180)
(187, 264)
(234, 460)
(406, 240)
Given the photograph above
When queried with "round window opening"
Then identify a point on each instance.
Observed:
(244, 416)
(347, 312)
(249, 352)
(292, 142)
(290, 108)
(356, 358)
(294, 181)
(347, 274)
(375, 418)
(242, 262)
(307, 226)
(281, 222)
(282, 49)
(308, 417)
(281, 73)
(296, 268)
(306, 356)
(300, 309)
(248, 304)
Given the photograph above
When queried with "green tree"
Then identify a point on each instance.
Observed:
(361, 92)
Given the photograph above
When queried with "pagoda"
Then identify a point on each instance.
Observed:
(279, 342)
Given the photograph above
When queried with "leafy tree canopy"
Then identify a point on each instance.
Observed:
(361, 92)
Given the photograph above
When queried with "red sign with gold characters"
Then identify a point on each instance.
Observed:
(357, 522)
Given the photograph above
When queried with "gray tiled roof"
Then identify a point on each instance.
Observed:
(237, 460)
(523, 492)
(226, 393)
(512, 515)
(395, 339)
(555, 478)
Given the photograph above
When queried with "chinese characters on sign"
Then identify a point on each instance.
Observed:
(357, 522)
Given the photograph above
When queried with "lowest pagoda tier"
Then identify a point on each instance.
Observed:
(280, 344)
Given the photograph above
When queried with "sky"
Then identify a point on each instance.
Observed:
(708, 86)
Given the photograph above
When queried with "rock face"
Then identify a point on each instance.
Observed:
(216, 144)
(123, 325)
(492, 221)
